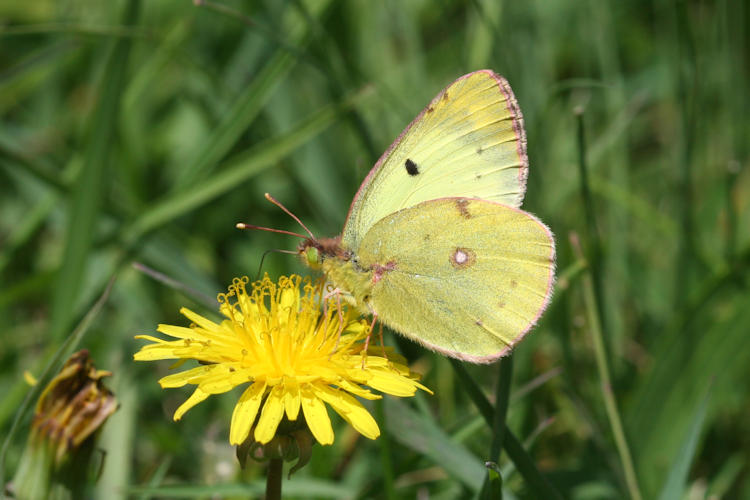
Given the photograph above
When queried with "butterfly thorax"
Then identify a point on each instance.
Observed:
(339, 264)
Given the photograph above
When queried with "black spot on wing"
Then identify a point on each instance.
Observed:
(411, 167)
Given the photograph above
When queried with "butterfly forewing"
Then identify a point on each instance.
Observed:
(468, 142)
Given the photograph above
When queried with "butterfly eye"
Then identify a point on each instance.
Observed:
(312, 256)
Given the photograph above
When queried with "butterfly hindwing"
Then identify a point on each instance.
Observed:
(465, 277)
(469, 142)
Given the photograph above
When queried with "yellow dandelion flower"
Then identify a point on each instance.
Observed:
(293, 355)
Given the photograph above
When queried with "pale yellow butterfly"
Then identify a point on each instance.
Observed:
(435, 245)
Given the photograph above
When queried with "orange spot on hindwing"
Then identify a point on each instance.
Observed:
(461, 258)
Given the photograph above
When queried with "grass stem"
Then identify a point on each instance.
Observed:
(594, 246)
(602, 365)
(386, 455)
(502, 398)
(537, 483)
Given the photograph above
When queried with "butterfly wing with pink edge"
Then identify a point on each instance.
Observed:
(468, 142)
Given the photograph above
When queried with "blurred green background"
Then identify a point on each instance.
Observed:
(142, 131)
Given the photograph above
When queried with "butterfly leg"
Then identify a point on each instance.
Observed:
(337, 293)
(326, 319)
(341, 323)
(367, 340)
(382, 344)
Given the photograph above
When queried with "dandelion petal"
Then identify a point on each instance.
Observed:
(199, 320)
(317, 417)
(271, 415)
(291, 400)
(350, 410)
(197, 396)
(179, 332)
(191, 376)
(245, 412)
(391, 383)
(155, 352)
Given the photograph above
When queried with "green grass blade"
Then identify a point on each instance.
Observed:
(89, 190)
(26, 228)
(238, 169)
(605, 382)
(121, 429)
(686, 81)
(528, 470)
(513, 447)
(243, 111)
(157, 477)
(301, 487)
(676, 482)
(41, 170)
(52, 367)
(493, 481)
(593, 235)
(636, 206)
(246, 108)
(502, 397)
(24, 77)
(725, 478)
(386, 454)
(424, 436)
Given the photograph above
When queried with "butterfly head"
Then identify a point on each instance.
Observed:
(314, 251)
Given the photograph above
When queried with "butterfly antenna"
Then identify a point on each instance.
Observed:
(260, 267)
(290, 214)
(242, 225)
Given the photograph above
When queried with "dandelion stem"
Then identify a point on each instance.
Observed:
(273, 479)
(602, 365)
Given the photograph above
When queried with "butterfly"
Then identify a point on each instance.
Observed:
(435, 245)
